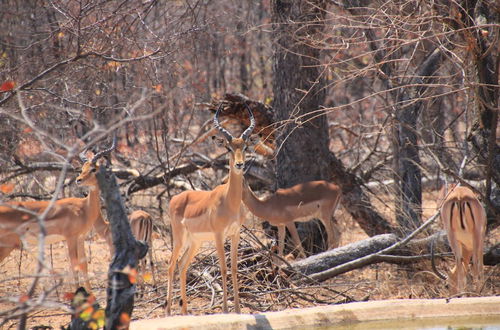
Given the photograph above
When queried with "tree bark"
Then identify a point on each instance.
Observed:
(486, 56)
(344, 254)
(409, 201)
(298, 87)
(128, 251)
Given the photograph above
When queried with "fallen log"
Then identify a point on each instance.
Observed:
(329, 259)
(381, 248)
(367, 256)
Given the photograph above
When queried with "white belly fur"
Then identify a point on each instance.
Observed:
(203, 236)
(199, 228)
(209, 236)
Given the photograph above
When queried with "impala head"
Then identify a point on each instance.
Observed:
(236, 146)
(89, 168)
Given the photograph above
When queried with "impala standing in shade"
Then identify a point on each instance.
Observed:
(301, 202)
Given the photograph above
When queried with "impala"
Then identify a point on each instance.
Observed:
(301, 202)
(464, 220)
(198, 216)
(70, 219)
(141, 224)
(446, 188)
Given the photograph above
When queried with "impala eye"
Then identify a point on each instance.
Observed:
(93, 170)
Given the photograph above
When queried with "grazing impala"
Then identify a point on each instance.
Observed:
(464, 220)
(141, 224)
(198, 216)
(301, 202)
(70, 219)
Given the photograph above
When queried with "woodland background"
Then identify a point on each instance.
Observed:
(385, 98)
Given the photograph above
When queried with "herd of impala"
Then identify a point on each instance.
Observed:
(199, 216)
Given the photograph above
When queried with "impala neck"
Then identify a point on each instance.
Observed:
(94, 204)
(254, 204)
(102, 228)
(234, 187)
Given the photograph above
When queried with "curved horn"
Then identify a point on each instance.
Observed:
(82, 156)
(246, 134)
(217, 125)
(104, 152)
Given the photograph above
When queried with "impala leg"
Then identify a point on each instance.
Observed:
(82, 263)
(331, 230)
(151, 262)
(459, 272)
(184, 263)
(219, 244)
(336, 234)
(466, 258)
(296, 239)
(4, 252)
(477, 259)
(141, 268)
(456, 273)
(452, 279)
(176, 250)
(235, 241)
(461, 277)
(74, 260)
(281, 239)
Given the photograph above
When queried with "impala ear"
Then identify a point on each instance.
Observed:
(253, 140)
(264, 150)
(100, 162)
(220, 142)
(258, 145)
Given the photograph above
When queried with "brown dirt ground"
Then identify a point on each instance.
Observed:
(376, 282)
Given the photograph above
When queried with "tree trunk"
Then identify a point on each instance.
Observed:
(128, 251)
(408, 172)
(483, 137)
(302, 139)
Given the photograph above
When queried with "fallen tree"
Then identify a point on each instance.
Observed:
(380, 248)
